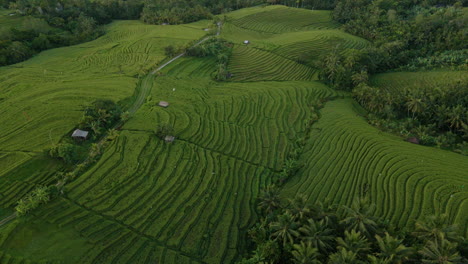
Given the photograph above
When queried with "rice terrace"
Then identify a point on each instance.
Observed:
(247, 131)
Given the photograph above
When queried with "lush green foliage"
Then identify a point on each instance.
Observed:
(345, 158)
(32, 201)
(220, 49)
(137, 199)
(178, 12)
(298, 232)
(100, 116)
(42, 100)
(431, 106)
(53, 24)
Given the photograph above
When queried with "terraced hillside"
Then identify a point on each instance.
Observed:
(191, 201)
(41, 99)
(282, 46)
(396, 82)
(347, 158)
(279, 19)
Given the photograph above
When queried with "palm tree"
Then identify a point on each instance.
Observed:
(299, 208)
(440, 251)
(358, 217)
(317, 233)
(285, 229)
(434, 227)
(392, 248)
(415, 105)
(355, 242)
(41, 194)
(376, 260)
(305, 253)
(325, 211)
(455, 117)
(343, 257)
(269, 200)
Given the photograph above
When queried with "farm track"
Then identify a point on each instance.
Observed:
(144, 91)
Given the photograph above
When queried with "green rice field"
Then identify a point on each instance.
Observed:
(193, 200)
(42, 99)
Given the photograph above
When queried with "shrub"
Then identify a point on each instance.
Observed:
(65, 151)
(164, 130)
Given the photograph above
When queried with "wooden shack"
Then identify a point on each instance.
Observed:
(163, 104)
(80, 134)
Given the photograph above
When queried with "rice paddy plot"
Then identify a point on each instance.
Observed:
(251, 64)
(190, 201)
(347, 158)
(280, 19)
(42, 98)
(397, 82)
(181, 197)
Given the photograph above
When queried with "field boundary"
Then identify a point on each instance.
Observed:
(144, 91)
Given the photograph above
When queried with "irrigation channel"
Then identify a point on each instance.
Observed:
(145, 89)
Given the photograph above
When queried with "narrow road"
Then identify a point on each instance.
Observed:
(147, 82)
(7, 219)
(145, 89)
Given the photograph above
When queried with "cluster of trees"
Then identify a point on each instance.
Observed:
(218, 48)
(293, 231)
(433, 115)
(38, 196)
(100, 116)
(419, 34)
(402, 32)
(54, 23)
(308, 4)
(179, 11)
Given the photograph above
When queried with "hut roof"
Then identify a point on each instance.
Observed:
(169, 138)
(246, 42)
(163, 104)
(80, 133)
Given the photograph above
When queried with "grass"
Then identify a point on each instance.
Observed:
(193, 200)
(41, 99)
(347, 158)
(280, 19)
(396, 82)
(285, 43)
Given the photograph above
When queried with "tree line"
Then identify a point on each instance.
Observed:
(294, 231)
(180, 11)
(53, 23)
(405, 35)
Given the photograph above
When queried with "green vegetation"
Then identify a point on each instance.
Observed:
(430, 106)
(43, 99)
(298, 232)
(137, 199)
(346, 158)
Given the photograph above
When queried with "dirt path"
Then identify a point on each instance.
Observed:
(145, 89)
(7, 219)
(147, 81)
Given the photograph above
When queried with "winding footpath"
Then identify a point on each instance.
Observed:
(145, 90)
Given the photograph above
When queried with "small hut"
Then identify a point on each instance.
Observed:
(206, 29)
(163, 104)
(169, 139)
(246, 42)
(80, 134)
